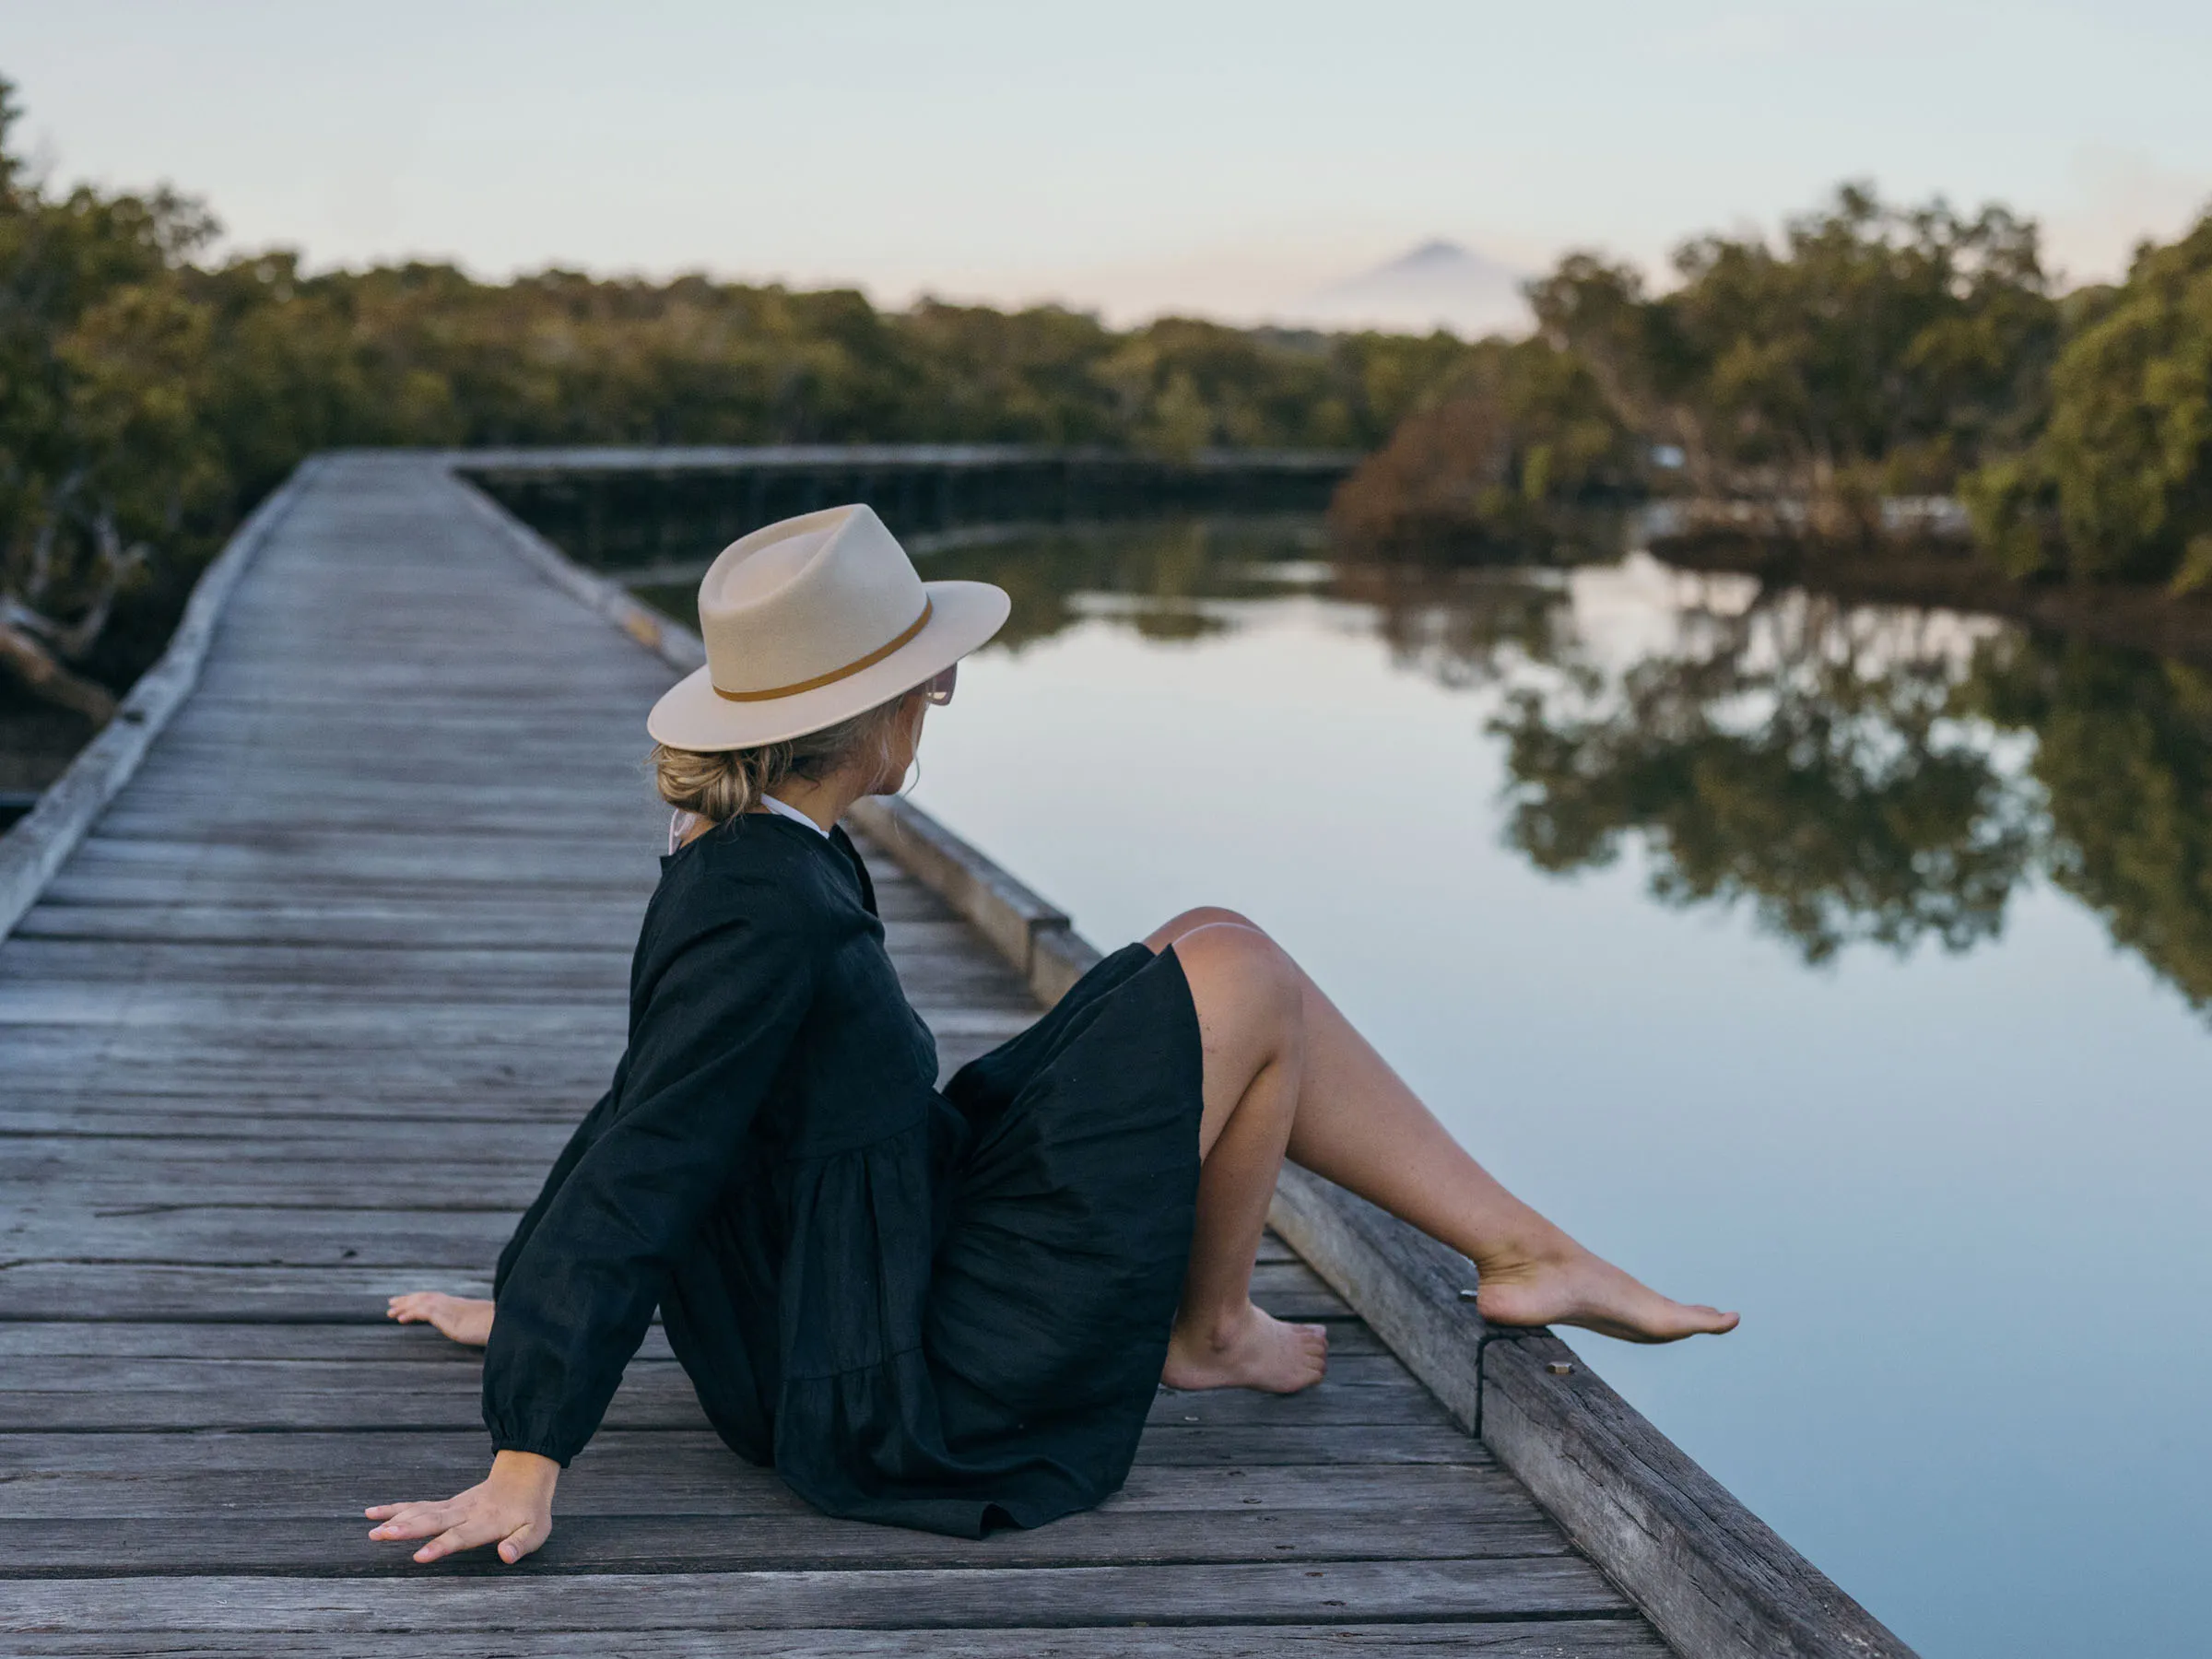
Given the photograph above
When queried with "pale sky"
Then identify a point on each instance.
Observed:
(1228, 158)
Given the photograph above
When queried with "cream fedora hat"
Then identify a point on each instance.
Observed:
(813, 620)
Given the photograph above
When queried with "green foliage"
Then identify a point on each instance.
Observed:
(1876, 350)
(101, 446)
(2118, 482)
(1519, 432)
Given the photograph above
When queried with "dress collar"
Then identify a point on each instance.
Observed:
(681, 821)
(793, 814)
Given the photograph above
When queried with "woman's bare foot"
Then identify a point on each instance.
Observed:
(462, 1318)
(1561, 1283)
(1250, 1350)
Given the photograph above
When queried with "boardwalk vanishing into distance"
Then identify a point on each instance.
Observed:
(301, 1022)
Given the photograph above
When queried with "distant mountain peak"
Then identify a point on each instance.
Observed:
(1436, 284)
(1434, 252)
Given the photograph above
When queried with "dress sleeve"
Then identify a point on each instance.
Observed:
(578, 1286)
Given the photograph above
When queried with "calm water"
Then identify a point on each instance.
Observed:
(1847, 966)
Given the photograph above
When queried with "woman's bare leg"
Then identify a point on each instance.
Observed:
(1249, 1025)
(1357, 1122)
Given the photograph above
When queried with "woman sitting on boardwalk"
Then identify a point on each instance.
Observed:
(943, 1310)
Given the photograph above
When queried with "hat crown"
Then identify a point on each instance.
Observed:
(805, 599)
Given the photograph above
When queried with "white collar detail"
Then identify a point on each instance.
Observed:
(793, 814)
(681, 821)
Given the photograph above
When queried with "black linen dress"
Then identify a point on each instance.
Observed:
(946, 1310)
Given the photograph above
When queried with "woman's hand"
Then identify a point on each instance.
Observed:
(512, 1507)
(459, 1317)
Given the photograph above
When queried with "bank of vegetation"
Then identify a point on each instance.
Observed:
(1893, 399)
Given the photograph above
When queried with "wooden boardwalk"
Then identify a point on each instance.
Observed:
(302, 1021)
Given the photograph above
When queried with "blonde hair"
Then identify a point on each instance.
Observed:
(720, 785)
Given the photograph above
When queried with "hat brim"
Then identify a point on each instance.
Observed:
(693, 715)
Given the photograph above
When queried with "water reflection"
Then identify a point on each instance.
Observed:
(1796, 755)
(2123, 758)
(1852, 774)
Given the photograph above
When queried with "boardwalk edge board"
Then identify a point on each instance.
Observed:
(1716, 1581)
(40, 842)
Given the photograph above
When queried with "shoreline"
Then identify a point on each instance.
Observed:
(2138, 618)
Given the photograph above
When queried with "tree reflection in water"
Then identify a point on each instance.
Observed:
(2124, 756)
(1880, 775)
(1796, 755)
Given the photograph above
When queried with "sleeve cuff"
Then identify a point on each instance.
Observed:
(540, 1448)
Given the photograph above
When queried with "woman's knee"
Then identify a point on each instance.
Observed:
(1237, 971)
(1176, 928)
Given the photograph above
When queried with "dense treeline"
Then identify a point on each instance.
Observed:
(147, 397)
(1803, 390)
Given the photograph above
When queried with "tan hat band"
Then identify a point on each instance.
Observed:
(835, 675)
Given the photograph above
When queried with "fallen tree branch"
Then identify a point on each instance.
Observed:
(25, 656)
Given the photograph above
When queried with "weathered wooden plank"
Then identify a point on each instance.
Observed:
(1359, 1387)
(338, 1546)
(1546, 1639)
(914, 1599)
(156, 1291)
(1170, 1445)
(97, 1170)
(317, 975)
(709, 1484)
(588, 862)
(259, 1238)
(149, 1285)
(150, 1289)
(30, 1340)
(424, 926)
(246, 1395)
(496, 1189)
(486, 1125)
(1351, 1348)
(388, 1013)
(150, 1158)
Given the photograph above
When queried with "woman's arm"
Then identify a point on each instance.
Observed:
(712, 1031)
(579, 1143)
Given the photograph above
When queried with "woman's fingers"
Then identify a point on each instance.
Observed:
(460, 1525)
(523, 1539)
(466, 1535)
(412, 1520)
(512, 1508)
(462, 1318)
